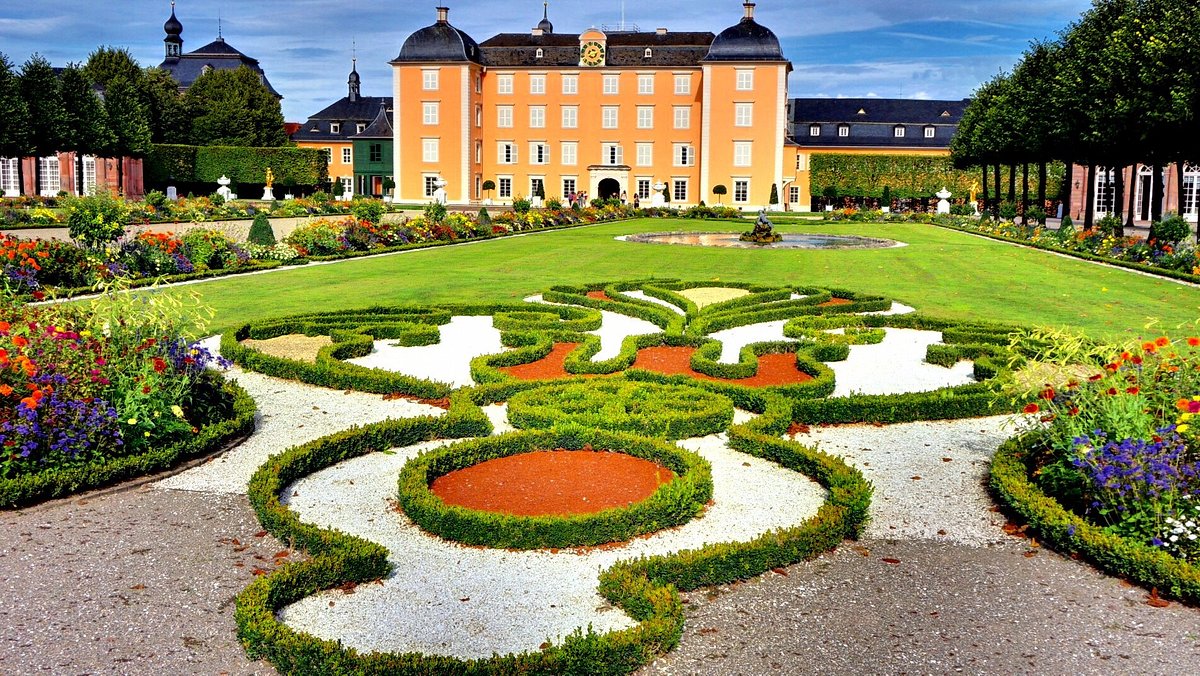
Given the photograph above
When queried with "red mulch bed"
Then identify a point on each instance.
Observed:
(553, 483)
(835, 301)
(598, 295)
(773, 369)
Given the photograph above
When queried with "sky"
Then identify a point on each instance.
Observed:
(930, 49)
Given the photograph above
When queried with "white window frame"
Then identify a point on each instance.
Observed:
(430, 113)
(570, 184)
(930, 132)
(645, 117)
(793, 194)
(610, 117)
(814, 130)
(843, 131)
(539, 152)
(8, 176)
(898, 131)
(50, 176)
(533, 184)
(642, 189)
(741, 190)
(645, 155)
(360, 127)
(679, 189)
(743, 152)
(683, 155)
(745, 80)
(646, 84)
(430, 80)
(537, 117)
(683, 84)
(612, 154)
(429, 182)
(683, 117)
(335, 127)
(347, 156)
(347, 185)
(612, 84)
(743, 114)
(570, 117)
(506, 152)
(504, 117)
(537, 84)
(570, 153)
(570, 84)
(89, 176)
(504, 187)
(504, 83)
(430, 150)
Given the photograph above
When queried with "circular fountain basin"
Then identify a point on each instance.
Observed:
(790, 241)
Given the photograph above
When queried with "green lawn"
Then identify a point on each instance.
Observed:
(941, 272)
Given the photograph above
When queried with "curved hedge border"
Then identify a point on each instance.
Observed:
(645, 588)
(666, 412)
(672, 504)
(1068, 532)
(1128, 265)
(57, 482)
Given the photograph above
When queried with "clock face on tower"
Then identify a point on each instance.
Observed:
(591, 54)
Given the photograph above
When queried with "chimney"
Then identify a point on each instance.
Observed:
(444, 14)
(749, 6)
(536, 32)
(661, 31)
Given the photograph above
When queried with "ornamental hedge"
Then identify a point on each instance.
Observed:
(165, 164)
(907, 176)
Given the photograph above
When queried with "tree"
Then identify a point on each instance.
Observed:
(14, 133)
(489, 185)
(85, 127)
(164, 107)
(234, 108)
(109, 63)
(720, 191)
(127, 121)
(774, 195)
(47, 120)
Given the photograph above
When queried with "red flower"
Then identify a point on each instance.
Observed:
(1193, 406)
(1131, 390)
(5, 390)
(1032, 408)
(1137, 360)
(1162, 341)
(159, 364)
(38, 295)
(1112, 390)
(1193, 341)
(1047, 394)
(1098, 376)
(4, 327)
(1149, 347)
(20, 341)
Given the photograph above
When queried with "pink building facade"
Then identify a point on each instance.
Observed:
(61, 173)
(1139, 192)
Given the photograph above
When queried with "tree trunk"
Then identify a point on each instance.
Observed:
(1089, 211)
(1119, 198)
(1069, 189)
(1024, 193)
(1133, 177)
(1012, 183)
(1156, 205)
(1041, 192)
(996, 202)
(20, 176)
(983, 187)
(121, 176)
(37, 176)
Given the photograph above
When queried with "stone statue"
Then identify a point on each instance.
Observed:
(763, 232)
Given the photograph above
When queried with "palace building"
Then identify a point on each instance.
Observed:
(216, 55)
(610, 114)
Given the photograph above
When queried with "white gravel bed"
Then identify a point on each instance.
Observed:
(641, 295)
(930, 477)
(733, 340)
(290, 413)
(469, 602)
(448, 361)
(897, 365)
(895, 309)
(615, 329)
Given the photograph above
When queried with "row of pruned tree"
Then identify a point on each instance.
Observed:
(112, 107)
(1119, 87)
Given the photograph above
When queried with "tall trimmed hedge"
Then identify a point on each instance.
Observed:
(205, 164)
(908, 176)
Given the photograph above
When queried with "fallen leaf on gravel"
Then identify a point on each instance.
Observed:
(708, 630)
(780, 571)
(947, 459)
(281, 553)
(1030, 554)
(861, 550)
(261, 534)
(259, 571)
(331, 604)
(1154, 602)
(891, 561)
(235, 542)
(465, 599)
(1127, 584)
(544, 645)
(941, 532)
(138, 586)
(238, 564)
(916, 478)
(347, 588)
(1033, 542)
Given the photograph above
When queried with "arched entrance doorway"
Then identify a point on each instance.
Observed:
(608, 189)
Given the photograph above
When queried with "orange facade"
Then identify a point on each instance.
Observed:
(618, 115)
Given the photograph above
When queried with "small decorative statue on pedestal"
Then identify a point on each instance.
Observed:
(763, 232)
(268, 193)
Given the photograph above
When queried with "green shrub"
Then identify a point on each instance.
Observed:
(1036, 214)
(367, 209)
(318, 238)
(1008, 210)
(96, 220)
(261, 232)
(521, 205)
(1171, 230)
(1109, 225)
(435, 212)
(156, 199)
(212, 250)
(484, 218)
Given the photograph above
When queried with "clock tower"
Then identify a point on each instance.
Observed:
(593, 48)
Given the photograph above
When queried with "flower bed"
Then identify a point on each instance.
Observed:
(1113, 470)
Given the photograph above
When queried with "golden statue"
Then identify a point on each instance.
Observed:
(270, 177)
(974, 189)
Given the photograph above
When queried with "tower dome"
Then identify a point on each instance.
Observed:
(544, 25)
(174, 29)
(439, 42)
(748, 40)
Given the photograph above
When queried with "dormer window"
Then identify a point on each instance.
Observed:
(898, 132)
(814, 130)
(335, 127)
(843, 130)
(206, 69)
(360, 127)
(945, 113)
(930, 132)
(539, 53)
(649, 53)
(861, 111)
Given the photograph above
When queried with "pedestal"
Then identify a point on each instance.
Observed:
(172, 193)
(439, 195)
(268, 194)
(943, 206)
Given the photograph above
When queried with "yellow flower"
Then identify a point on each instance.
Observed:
(132, 421)
(1182, 428)
(177, 411)
(147, 433)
